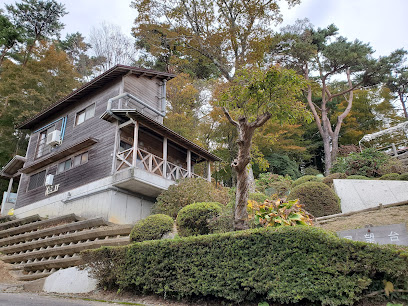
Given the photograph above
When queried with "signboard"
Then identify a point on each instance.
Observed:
(387, 234)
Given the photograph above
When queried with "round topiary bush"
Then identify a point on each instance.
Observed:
(186, 192)
(304, 179)
(328, 180)
(390, 176)
(152, 228)
(358, 177)
(194, 219)
(318, 198)
(403, 177)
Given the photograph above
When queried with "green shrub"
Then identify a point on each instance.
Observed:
(311, 171)
(318, 198)
(186, 192)
(370, 163)
(273, 184)
(151, 228)
(258, 197)
(304, 179)
(283, 165)
(328, 180)
(358, 177)
(194, 218)
(284, 265)
(390, 176)
(403, 177)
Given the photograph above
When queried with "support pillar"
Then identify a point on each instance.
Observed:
(165, 157)
(9, 189)
(189, 163)
(135, 142)
(208, 171)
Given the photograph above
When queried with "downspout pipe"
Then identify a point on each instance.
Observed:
(125, 95)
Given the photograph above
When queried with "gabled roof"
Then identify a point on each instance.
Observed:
(96, 83)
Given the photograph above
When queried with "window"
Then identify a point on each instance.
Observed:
(85, 114)
(36, 180)
(42, 147)
(73, 162)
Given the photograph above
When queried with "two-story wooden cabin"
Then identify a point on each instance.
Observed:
(103, 150)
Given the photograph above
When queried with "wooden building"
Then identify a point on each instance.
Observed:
(103, 150)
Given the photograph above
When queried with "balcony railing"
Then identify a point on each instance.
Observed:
(151, 163)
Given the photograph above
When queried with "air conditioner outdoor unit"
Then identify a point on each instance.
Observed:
(49, 180)
(54, 138)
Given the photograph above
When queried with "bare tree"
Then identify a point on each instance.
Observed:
(110, 43)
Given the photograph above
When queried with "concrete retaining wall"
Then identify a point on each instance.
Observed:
(97, 199)
(361, 194)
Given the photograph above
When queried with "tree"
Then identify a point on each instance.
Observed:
(253, 98)
(108, 42)
(76, 48)
(26, 90)
(10, 36)
(321, 52)
(397, 81)
(227, 34)
(40, 20)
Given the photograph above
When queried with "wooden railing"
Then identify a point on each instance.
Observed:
(151, 163)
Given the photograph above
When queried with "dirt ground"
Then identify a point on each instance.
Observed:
(5, 276)
(384, 216)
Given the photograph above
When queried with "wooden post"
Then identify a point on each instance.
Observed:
(115, 148)
(208, 171)
(9, 189)
(188, 163)
(165, 157)
(135, 141)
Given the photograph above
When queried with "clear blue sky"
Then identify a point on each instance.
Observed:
(382, 23)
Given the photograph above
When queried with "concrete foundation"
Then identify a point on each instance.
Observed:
(356, 195)
(70, 280)
(97, 199)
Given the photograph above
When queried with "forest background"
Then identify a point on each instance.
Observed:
(205, 43)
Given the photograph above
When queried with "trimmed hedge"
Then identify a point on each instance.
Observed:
(358, 177)
(318, 198)
(194, 219)
(188, 191)
(403, 177)
(304, 179)
(285, 265)
(152, 228)
(328, 180)
(390, 176)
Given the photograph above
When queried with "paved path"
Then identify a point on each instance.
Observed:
(31, 299)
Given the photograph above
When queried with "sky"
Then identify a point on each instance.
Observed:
(382, 23)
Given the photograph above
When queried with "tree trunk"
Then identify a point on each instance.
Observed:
(327, 154)
(404, 108)
(240, 165)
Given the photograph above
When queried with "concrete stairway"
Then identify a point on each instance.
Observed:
(38, 247)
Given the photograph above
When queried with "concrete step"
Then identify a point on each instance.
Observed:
(33, 276)
(78, 235)
(60, 263)
(37, 254)
(37, 225)
(19, 222)
(64, 228)
(5, 219)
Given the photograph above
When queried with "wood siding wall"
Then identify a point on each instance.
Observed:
(99, 163)
(146, 89)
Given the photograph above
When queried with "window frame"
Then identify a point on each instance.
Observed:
(46, 132)
(84, 111)
(72, 159)
(31, 177)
